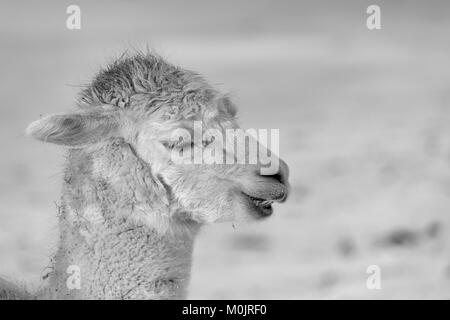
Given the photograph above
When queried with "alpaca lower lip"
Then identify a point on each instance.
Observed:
(261, 206)
(265, 211)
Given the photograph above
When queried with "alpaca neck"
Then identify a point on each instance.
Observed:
(124, 262)
(114, 241)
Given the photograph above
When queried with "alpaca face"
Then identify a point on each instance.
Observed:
(153, 107)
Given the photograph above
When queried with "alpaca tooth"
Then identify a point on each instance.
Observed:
(266, 203)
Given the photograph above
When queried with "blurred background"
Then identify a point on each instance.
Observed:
(363, 118)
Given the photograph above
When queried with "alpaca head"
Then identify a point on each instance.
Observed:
(176, 124)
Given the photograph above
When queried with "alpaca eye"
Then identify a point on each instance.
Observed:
(180, 144)
(172, 144)
(208, 142)
(168, 145)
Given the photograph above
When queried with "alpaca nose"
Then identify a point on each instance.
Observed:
(282, 174)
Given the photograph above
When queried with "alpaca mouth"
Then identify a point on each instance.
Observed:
(262, 207)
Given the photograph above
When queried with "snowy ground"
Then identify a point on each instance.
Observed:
(364, 119)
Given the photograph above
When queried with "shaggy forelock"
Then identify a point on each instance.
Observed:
(145, 74)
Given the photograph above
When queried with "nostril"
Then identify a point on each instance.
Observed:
(278, 177)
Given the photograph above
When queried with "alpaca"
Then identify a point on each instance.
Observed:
(129, 214)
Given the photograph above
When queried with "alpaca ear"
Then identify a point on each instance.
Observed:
(75, 129)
